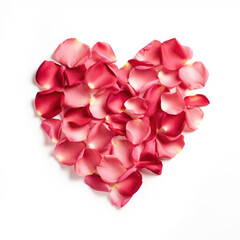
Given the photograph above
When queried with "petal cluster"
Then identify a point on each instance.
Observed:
(110, 123)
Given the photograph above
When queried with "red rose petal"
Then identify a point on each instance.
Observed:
(103, 52)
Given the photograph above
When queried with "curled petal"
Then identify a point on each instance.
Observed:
(137, 131)
(118, 199)
(150, 53)
(52, 127)
(68, 152)
(75, 75)
(194, 75)
(150, 162)
(50, 75)
(103, 52)
(100, 76)
(172, 103)
(169, 78)
(86, 164)
(77, 96)
(115, 101)
(197, 100)
(96, 183)
(153, 97)
(167, 150)
(136, 106)
(110, 169)
(174, 55)
(123, 150)
(97, 104)
(99, 136)
(130, 185)
(142, 77)
(71, 53)
(194, 117)
(49, 104)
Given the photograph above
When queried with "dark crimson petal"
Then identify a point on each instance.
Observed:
(49, 75)
(75, 75)
(197, 100)
(49, 104)
(96, 183)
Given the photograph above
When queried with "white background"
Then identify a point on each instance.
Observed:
(198, 194)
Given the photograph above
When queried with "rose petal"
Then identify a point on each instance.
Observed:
(52, 127)
(130, 185)
(122, 149)
(194, 117)
(99, 136)
(150, 162)
(194, 75)
(169, 78)
(173, 54)
(118, 199)
(49, 104)
(197, 100)
(172, 103)
(110, 169)
(137, 131)
(68, 152)
(50, 76)
(136, 106)
(116, 100)
(142, 77)
(153, 97)
(100, 76)
(167, 150)
(96, 183)
(75, 75)
(103, 52)
(77, 96)
(71, 53)
(150, 53)
(98, 104)
(86, 165)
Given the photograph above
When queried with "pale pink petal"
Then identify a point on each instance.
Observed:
(71, 53)
(174, 55)
(194, 75)
(169, 78)
(86, 165)
(99, 136)
(150, 53)
(96, 183)
(197, 100)
(100, 76)
(136, 106)
(167, 150)
(110, 169)
(172, 103)
(98, 104)
(103, 52)
(49, 104)
(153, 97)
(130, 185)
(194, 117)
(142, 77)
(123, 150)
(137, 131)
(118, 199)
(52, 127)
(77, 96)
(49, 76)
(68, 152)
(75, 76)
